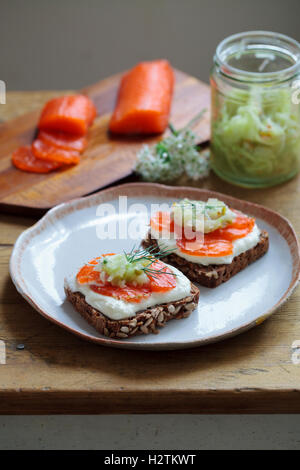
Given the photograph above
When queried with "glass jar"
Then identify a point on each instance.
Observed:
(255, 123)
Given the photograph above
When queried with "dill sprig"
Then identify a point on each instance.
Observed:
(149, 254)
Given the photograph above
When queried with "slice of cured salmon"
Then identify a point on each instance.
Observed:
(72, 114)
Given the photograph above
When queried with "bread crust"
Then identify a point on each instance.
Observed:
(144, 322)
(214, 274)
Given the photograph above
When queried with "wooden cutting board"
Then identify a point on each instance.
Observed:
(106, 159)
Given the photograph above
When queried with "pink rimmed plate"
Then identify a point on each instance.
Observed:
(74, 232)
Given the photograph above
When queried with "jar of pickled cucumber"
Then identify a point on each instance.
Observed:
(255, 123)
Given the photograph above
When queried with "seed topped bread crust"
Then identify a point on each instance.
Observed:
(214, 274)
(143, 322)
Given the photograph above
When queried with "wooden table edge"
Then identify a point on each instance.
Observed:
(243, 401)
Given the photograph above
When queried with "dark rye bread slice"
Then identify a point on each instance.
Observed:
(214, 274)
(143, 322)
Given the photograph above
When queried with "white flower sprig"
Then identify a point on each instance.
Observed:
(173, 156)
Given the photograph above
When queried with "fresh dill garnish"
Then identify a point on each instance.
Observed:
(149, 255)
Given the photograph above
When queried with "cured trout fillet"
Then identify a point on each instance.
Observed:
(144, 99)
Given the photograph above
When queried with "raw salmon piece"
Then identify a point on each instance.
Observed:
(162, 222)
(144, 99)
(126, 293)
(63, 140)
(219, 242)
(209, 247)
(24, 160)
(164, 280)
(72, 114)
(87, 274)
(47, 152)
(238, 229)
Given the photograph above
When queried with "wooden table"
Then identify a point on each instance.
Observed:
(58, 373)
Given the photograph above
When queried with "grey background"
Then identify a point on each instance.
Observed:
(149, 432)
(67, 44)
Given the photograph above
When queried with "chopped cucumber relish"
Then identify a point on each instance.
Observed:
(256, 133)
(119, 271)
(173, 156)
(202, 216)
(130, 268)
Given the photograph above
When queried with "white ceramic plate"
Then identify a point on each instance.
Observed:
(66, 237)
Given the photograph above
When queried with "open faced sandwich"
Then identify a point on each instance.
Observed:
(210, 242)
(122, 295)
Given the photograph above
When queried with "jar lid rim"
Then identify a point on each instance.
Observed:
(230, 70)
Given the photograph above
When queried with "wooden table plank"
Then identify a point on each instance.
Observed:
(59, 373)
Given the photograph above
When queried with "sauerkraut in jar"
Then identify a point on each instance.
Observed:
(255, 134)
